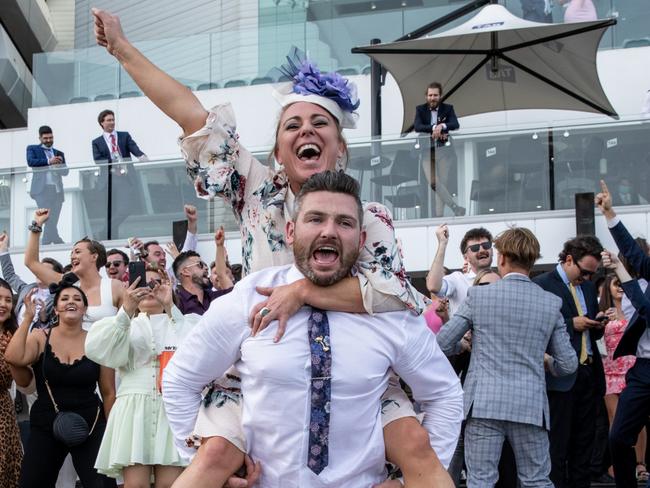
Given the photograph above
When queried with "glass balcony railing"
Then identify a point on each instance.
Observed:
(532, 169)
(325, 29)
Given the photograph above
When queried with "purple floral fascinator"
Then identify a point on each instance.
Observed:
(306, 83)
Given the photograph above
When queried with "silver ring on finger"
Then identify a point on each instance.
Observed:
(264, 312)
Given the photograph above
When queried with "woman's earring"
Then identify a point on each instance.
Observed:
(339, 164)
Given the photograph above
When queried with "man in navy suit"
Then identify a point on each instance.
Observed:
(573, 399)
(634, 402)
(436, 119)
(114, 147)
(47, 185)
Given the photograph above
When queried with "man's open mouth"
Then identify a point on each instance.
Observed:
(325, 254)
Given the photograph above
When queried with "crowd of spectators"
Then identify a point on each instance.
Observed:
(130, 352)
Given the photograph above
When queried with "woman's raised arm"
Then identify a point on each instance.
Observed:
(42, 271)
(173, 98)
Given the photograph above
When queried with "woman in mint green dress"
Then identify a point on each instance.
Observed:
(138, 443)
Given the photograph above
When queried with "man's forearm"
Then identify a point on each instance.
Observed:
(437, 271)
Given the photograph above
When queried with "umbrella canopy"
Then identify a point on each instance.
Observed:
(497, 61)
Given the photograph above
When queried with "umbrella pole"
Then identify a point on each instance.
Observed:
(551, 170)
(376, 81)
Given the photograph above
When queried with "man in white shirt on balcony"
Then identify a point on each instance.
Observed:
(312, 409)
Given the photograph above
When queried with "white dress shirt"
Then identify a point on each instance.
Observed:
(276, 385)
(107, 138)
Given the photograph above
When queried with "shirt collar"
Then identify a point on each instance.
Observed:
(562, 273)
(185, 294)
(107, 135)
(294, 274)
(514, 274)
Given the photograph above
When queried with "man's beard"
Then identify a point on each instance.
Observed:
(302, 255)
(201, 281)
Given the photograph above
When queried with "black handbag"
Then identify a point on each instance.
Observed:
(70, 428)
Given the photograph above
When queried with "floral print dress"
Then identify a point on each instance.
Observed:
(262, 202)
(615, 369)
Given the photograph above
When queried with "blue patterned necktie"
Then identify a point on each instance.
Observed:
(321, 370)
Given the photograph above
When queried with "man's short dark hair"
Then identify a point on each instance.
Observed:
(44, 129)
(180, 261)
(146, 245)
(236, 272)
(117, 251)
(474, 234)
(56, 266)
(102, 115)
(334, 182)
(434, 84)
(581, 246)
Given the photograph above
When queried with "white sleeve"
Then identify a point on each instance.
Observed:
(447, 287)
(190, 243)
(210, 348)
(435, 386)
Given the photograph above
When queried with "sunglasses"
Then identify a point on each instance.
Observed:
(199, 263)
(583, 272)
(117, 264)
(475, 247)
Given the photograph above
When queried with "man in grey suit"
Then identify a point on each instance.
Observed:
(514, 324)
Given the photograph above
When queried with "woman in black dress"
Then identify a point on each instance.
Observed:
(57, 355)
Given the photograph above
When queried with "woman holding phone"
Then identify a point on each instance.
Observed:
(138, 342)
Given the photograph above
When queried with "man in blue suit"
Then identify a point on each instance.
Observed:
(573, 399)
(436, 119)
(114, 147)
(47, 185)
(634, 403)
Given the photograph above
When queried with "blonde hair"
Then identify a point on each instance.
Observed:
(519, 245)
(481, 274)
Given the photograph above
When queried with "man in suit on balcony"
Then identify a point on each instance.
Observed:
(47, 185)
(537, 10)
(114, 147)
(436, 119)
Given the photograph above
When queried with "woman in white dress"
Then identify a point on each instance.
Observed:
(138, 342)
(87, 258)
